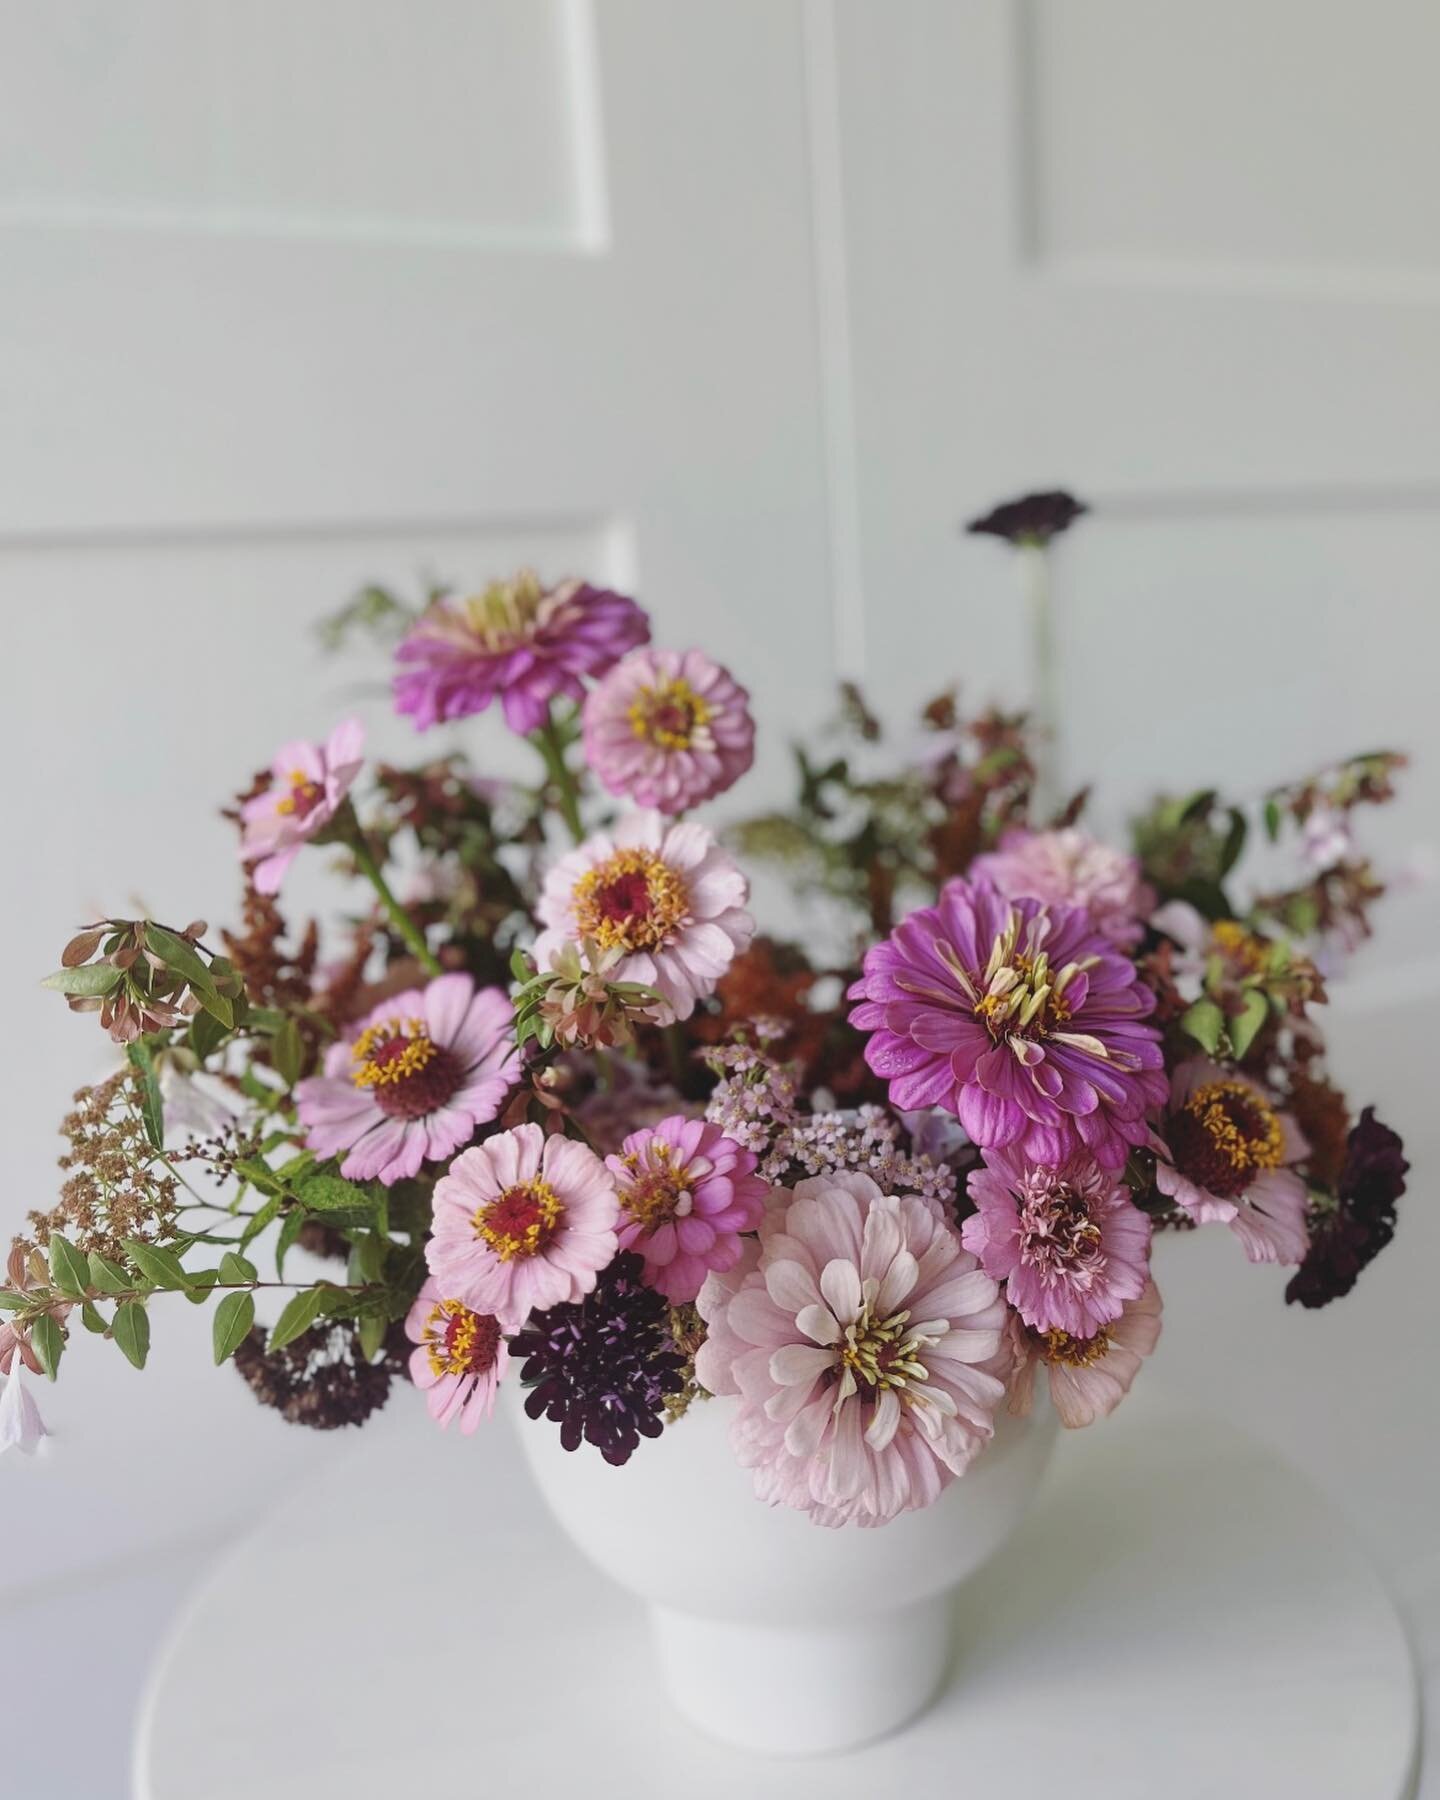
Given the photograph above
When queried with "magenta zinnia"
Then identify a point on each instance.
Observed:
(520, 641)
(686, 1193)
(668, 730)
(854, 1336)
(1021, 1019)
(424, 1069)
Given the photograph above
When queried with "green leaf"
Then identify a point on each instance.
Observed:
(10, 1301)
(181, 957)
(92, 1318)
(152, 1111)
(91, 979)
(108, 1276)
(1272, 819)
(287, 1051)
(289, 1231)
(47, 1340)
(259, 1175)
(207, 1034)
(1234, 842)
(235, 1270)
(69, 1270)
(341, 1202)
(267, 1215)
(299, 1315)
(369, 1256)
(521, 966)
(131, 1331)
(1205, 1022)
(233, 1318)
(373, 1326)
(198, 1283)
(1246, 1023)
(156, 1263)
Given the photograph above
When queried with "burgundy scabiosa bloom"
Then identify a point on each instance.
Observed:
(459, 1358)
(668, 729)
(309, 783)
(686, 1193)
(1033, 519)
(1089, 1376)
(602, 1366)
(520, 641)
(1228, 1151)
(424, 1069)
(1068, 1242)
(1350, 1233)
(1019, 1018)
(1073, 869)
(859, 1335)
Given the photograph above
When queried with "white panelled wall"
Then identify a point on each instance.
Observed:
(743, 304)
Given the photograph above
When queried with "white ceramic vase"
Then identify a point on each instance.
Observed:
(774, 1633)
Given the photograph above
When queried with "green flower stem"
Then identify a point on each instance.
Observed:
(1044, 676)
(394, 911)
(551, 745)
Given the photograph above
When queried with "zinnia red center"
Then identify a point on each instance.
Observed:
(461, 1342)
(408, 1074)
(521, 1221)
(1225, 1135)
(626, 897)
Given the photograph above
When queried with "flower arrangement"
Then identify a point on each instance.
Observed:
(562, 1118)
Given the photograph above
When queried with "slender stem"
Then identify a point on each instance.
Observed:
(1044, 676)
(548, 742)
(394, 911)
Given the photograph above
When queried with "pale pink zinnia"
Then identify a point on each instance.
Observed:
(1089, 1377)
(309, 783)
(522, 1221)
(686, 1193)
(665, 895)
(1228, 1156)
(668, 729)
(459, 1357)
(422, 1071)
(21, 1427)
(1073, 869)
(1068, 1242)
(854, 1335)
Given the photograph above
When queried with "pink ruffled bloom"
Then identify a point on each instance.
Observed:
(520, 641)
(310, 782)
(668, 729)
(459, 1357)
(686, 1193)
(1228, 1151)
(1068, 1242)
(1070, 868)
(422, 1071)
(665, 895)
(854, 1335)
(1089, 1377)
(1021, 1019)
(522, 1221)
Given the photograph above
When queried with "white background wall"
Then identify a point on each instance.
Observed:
(745, 305)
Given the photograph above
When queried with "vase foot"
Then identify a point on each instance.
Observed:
(802, 1690)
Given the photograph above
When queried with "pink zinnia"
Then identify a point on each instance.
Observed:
(460, 1356)
(665, 895)
(309, 783)
(686, 1193)
(1089, 1377)
(1068, 1242)
(1021, 1019)
(1070, 868)
(854, 1335)
(1228, 1151)
(519, 640)
(522, 1221)
(668, 729)
(424, 1069)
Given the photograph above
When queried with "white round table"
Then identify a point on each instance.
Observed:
(1180, 1615)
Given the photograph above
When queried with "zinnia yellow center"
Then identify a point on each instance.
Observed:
(522, 1221)
(669, 714)
(502, 616)
(1019, 994)
(391, 1051)
(657, 1192)
(1076, 1352)
(1225, 1134)
(304, 796)
(458, 1341)
(632, 901)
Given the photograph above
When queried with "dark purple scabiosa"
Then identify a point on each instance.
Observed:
(602, 1367)
(1350, 1231)
(1033, 519)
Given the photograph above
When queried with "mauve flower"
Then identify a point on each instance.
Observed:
(422, 1071)
(1072, 869)
(1068, 1242)
(1227, 1156)
(459, 1357)
(310, 782)
(664, 894)
(668, 729)
(1089, 1377)
(21, 1427)
(520, 641)
(854, 1335)
(686, 1192)
(1021, 1019)
(1033, 519)
(522, 1221)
